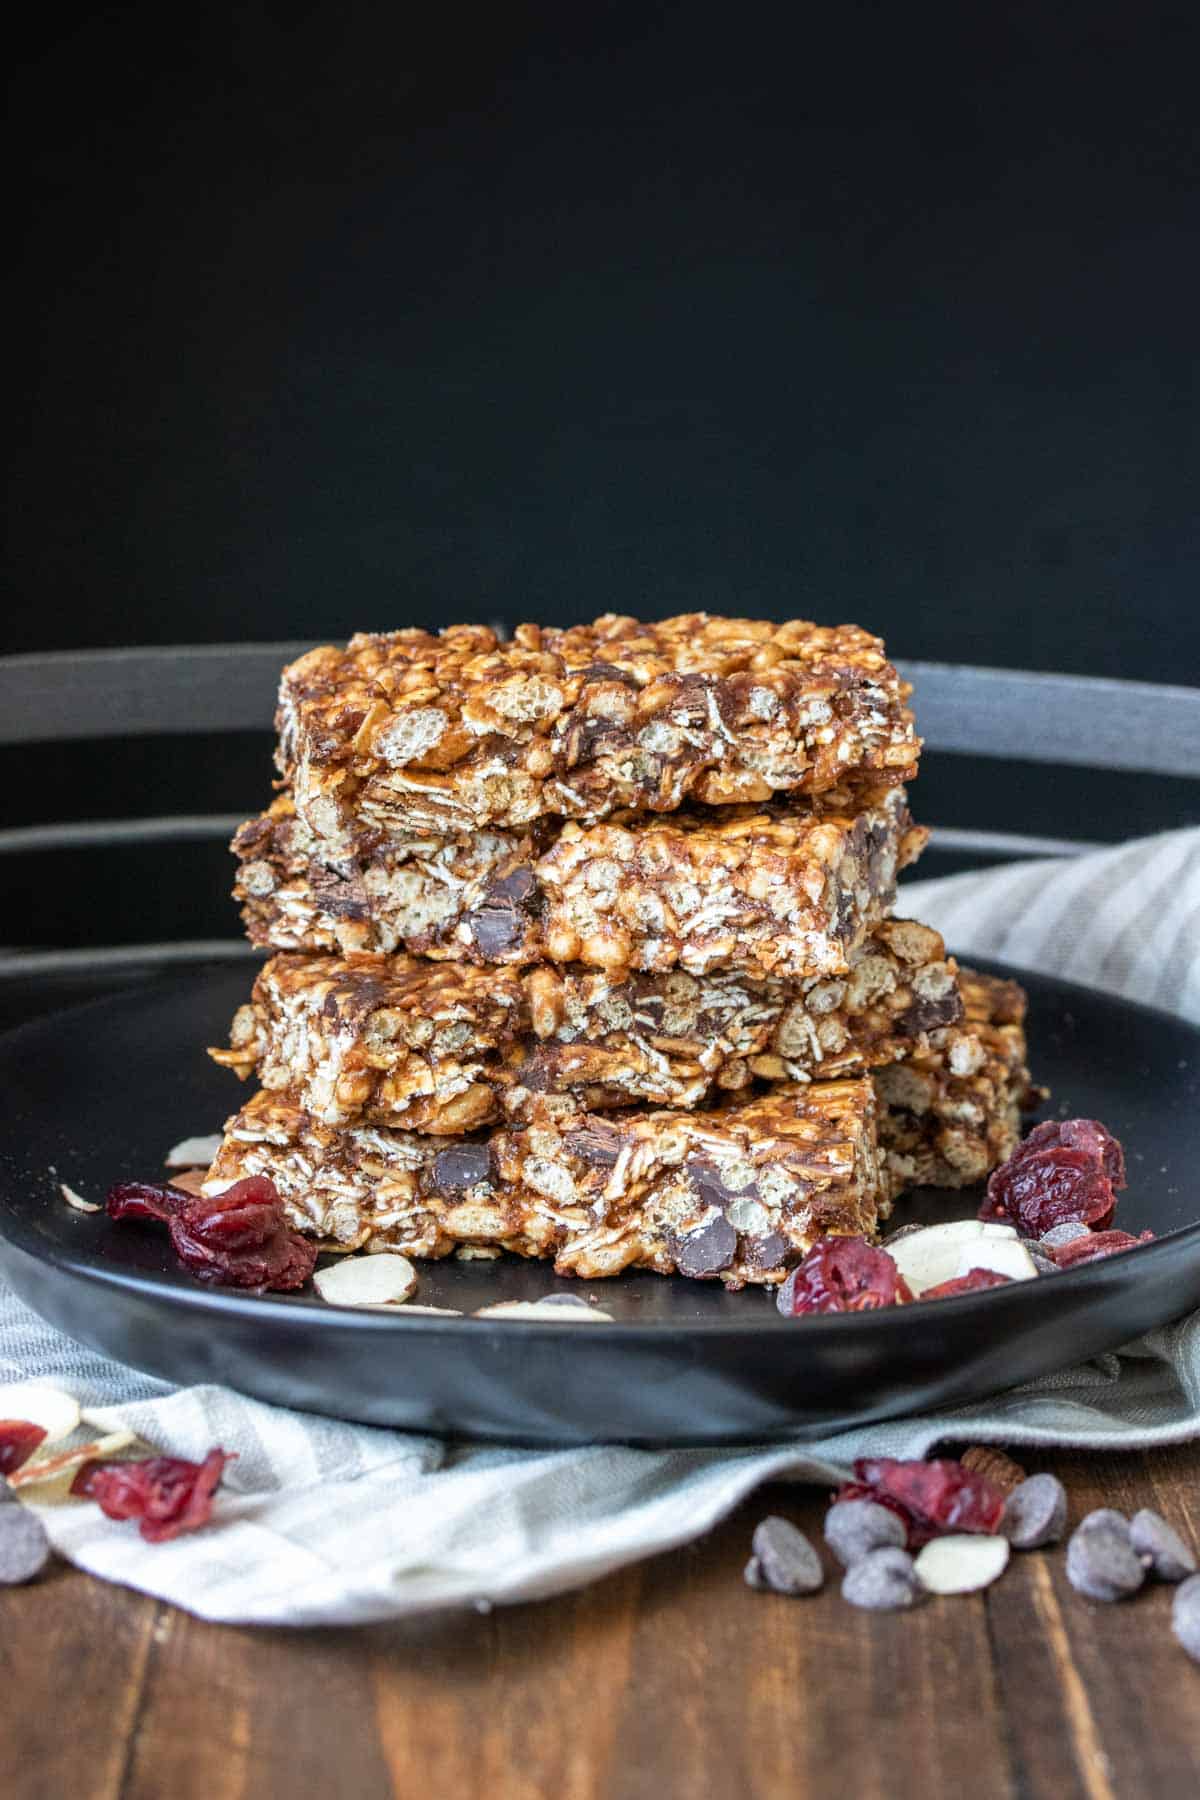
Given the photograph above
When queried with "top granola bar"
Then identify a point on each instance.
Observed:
(408, 731)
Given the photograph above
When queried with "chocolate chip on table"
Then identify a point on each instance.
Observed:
(786, 1560)
(1162, 1551)
(707, 1251)
(1035, 1513)
(1101, 1561)
(460, 1167)
(1185, 1616)
(853, 1528)
(882, 1581)
(754, 1578)
(24, 1546)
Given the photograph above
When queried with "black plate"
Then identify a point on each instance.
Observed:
(98, 1093)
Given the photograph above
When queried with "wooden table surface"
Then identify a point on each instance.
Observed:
(669, 1678)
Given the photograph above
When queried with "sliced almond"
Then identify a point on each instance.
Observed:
(44, 1469)
(555, 1311)
(381, 1280)
(77, 1200)
(191, 1181)
(194, 1152)
(940, 1253)
(39, 1404)
(961, 1564)
(1002, 1257)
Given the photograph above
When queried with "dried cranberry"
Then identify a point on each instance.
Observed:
(18, 1441)
(931, 1497)
(168, 1494)
(1066, 1169)
(240, 1237)
(1095, 1245)
(1079, 1134)
(1050, 1187)
(842, 1274)
(972, 1282)
(146, 1200)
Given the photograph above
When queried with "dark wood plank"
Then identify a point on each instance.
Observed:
(73, 1659)
(668, 1678)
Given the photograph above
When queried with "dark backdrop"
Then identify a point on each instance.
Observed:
(347, 317)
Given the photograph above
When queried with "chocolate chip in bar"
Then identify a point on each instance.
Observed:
(517, 888)
(707, 1251)
(606, 671)
(495, 929)
(498, 925)
(460, 1167)
(929, 1015)
(341, 897)
(597, 1143)
(709, 1183)
(770, 1251)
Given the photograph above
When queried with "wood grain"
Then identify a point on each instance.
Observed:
(670, 1678)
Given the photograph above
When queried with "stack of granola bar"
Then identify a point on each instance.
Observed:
(582, 948)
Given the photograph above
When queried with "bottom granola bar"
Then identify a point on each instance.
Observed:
(738, 1193)
(952, 1112)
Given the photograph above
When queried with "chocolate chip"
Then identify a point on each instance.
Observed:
(495, 929)
(344, 897)
(707, 1251)
(854, 1528)
(689, 702)
(518, 888)
(786, 1559)
(882, 1581)
(24, 1546)
(753, 1576)
(1066, 1233)
(596, 1143)
(878, 845)
(605, 671)
(460, 1167)
(536, 1072)
(1161, 1549)
(1101, 1561)
(928, 1015)
(770, 1251)
(710, 1185)
(1185, 1616)
(1035, 1513)
(352, 1000)
(498, 924)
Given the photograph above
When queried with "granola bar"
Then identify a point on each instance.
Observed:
(737, 1193)
(447, 1048)
(773, 893)
(952, 1112)
(443, 734)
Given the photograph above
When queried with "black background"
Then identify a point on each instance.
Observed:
(349, 318)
